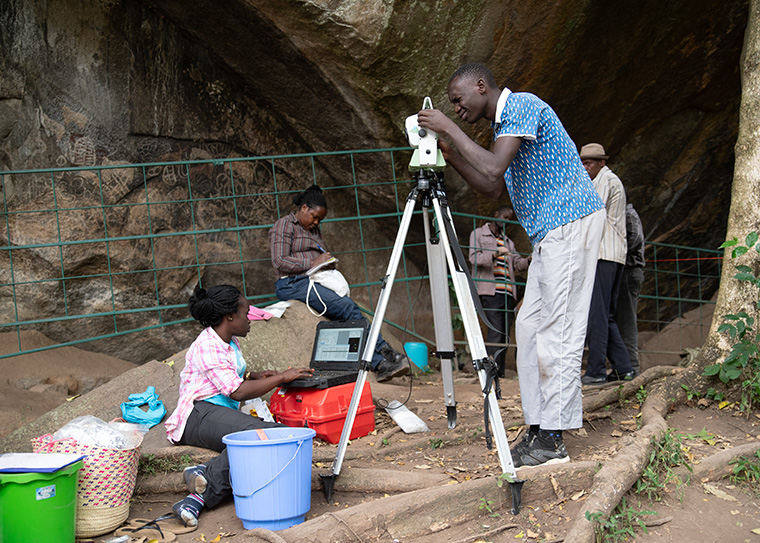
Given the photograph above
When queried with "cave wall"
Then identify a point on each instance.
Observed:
(133, 81)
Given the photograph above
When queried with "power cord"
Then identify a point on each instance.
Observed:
(382, 402)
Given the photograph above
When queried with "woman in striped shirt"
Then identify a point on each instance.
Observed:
(297, 246)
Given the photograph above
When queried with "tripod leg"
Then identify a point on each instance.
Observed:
(478, 350)
(328, 481)
(444, 334)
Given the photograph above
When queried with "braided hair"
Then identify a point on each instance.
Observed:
(312, 197)
(210, 306)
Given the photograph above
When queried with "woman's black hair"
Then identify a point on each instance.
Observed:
(210, 306)
(311, 197)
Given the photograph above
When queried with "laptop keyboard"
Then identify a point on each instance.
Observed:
(328, 373)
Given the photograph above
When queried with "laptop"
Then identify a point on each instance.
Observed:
(338, 347)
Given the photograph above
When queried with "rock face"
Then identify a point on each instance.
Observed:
(120, 81)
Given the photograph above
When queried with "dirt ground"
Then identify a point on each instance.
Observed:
(697, 513)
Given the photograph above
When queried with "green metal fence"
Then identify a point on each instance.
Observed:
(99, 252)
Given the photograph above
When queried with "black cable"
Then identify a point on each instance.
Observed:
(382, 402)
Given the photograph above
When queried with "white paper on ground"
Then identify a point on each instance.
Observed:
(407, 421)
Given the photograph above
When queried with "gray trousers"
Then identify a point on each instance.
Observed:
(551, 325)
(205, 427)
(627, 309)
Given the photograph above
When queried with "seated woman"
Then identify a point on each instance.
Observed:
(212, 384)
(297, 246)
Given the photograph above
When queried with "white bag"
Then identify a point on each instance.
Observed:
(331, 279)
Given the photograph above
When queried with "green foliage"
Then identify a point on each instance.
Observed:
(742, 365)
(621, 397)
(620, 526)
(703, 434)
(641, 395)
(436, 443)
(150, 464)
(504, 478)
(713, 394)
(667, 454)
(487, 505)
(746, 471)
(690, 393)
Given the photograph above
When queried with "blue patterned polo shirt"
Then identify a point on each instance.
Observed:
(547, 183)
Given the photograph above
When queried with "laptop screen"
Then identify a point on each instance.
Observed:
(339, 344)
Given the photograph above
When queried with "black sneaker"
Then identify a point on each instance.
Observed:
(394, 365)
(615, 376)
(189, 509)
(545, 448)
(522, 448)
(195, 479)
(596, 381)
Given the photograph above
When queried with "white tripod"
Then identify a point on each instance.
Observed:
(430, 189)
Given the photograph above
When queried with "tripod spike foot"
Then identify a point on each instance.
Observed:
(451, 416)
(328, 482)
(516, 488)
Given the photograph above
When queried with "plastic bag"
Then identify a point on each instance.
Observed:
(258, 408)
(331, 279)
(89, 430)
(132, 410)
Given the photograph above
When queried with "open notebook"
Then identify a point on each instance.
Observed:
(338, 347)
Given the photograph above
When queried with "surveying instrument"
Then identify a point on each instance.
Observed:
(443, 253)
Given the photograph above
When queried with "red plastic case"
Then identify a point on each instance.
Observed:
(324, 410)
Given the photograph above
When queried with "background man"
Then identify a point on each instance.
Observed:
(603, 336)
(556, 203)
(630, 286)
(494, 260)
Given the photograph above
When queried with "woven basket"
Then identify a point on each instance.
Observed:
(106, 483)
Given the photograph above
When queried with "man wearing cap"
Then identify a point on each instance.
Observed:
(534, 158)
(603, 336)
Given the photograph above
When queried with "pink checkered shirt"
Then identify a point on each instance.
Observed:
(209, 370)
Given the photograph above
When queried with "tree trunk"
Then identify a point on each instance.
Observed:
(744, 216)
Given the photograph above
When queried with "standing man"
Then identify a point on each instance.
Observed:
(630, 286)
(555, 201)
(494, 260)
(603, 336)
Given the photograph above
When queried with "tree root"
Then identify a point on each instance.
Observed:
(262, 534)
(718, 465)
(618, 475)
(627, 388)
(488, 534)
(434, 509)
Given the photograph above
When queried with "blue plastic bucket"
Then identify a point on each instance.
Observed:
(418, 354)
(271, 478)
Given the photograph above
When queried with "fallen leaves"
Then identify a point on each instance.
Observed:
(717, 492)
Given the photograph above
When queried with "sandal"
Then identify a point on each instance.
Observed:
(150, 530)
(168, 523)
